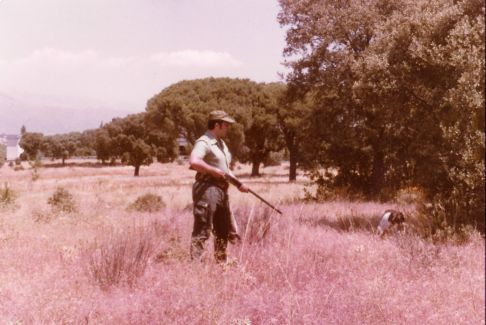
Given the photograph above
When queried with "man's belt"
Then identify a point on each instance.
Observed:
(208, 179)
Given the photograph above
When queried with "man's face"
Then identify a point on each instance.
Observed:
(222, 129)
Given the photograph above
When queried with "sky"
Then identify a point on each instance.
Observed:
(119, 53)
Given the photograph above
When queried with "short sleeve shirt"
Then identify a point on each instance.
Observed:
(207, 149)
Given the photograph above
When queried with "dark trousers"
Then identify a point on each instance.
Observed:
(211, 213)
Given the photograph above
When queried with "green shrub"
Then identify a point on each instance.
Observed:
(35, 174)
(174, 251)
(147, 203)
(34, 164)
(443, 221)
(3, 154)
(7, 196)
(62, 201)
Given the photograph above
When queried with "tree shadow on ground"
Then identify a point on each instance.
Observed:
(80, 164)
(271, 182)
(262, 174)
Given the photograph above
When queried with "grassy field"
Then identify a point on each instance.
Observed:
(106, 262)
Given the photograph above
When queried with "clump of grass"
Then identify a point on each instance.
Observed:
(417, 251)
(122, 258)
(19, 167)
(291, 200)
(35, 174)
(62, 201)
(355, 222)
(345, 222)
(42, 216)
(255, 224)
(147, 203)
(240, 321)
(175, 251)
(7, 196)
(35, 165)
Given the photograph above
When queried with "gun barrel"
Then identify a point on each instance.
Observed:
(233, 180)
(264, 201)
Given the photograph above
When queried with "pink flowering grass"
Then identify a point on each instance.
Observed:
(316, 264)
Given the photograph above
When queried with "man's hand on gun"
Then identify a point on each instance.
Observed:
(239, 185)
(243, 188)
(221, 175)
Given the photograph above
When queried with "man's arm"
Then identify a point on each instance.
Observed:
(198, 164)
(201, 166)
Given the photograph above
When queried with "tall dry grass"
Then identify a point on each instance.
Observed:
(317, 264)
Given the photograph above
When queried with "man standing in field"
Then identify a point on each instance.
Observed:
(211, 159)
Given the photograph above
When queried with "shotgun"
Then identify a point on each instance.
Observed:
(233, 180)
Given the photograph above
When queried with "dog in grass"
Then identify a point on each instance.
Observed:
(391, 219)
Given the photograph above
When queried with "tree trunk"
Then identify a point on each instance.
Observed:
(293, 164)
(377, 175)
(255, 168)
(137, 170)
(63, 161)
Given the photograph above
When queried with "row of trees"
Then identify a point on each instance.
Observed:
(61, 146)
(265, 126)
(122, 138)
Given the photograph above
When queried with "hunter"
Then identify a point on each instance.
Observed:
(211, 159)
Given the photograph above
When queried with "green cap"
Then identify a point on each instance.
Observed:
(220, 116)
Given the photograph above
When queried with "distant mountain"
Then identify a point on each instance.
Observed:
(48, 118)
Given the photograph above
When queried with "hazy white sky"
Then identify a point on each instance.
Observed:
(122, 52)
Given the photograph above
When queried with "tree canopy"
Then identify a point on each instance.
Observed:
(398, 90)
(32, 142)
(183, 108)
(127, 139)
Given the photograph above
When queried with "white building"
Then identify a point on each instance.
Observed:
(11, 142)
